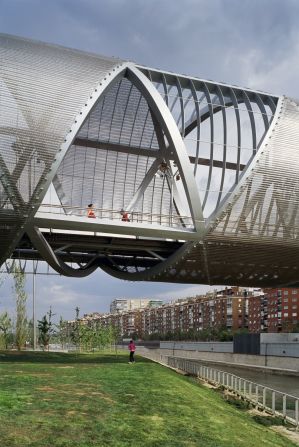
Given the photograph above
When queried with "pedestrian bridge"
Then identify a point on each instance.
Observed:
(147, 174)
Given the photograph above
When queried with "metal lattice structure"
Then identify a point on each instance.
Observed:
(206, 173)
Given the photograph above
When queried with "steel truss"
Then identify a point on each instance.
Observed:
(206, 172)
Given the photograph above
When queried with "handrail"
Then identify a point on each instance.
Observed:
(134, 216)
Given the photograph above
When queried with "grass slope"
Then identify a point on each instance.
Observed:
(51, 400)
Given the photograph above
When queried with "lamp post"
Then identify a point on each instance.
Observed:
(33, 306)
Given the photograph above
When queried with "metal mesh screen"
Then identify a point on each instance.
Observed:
(254, 241)
(243, 152)
(222, 127)
(42, 88)
(109, 175)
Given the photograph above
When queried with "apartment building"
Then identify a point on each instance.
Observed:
(271, 310)
(283, 309)
(125, 305)
(224, 309)
(258, 313)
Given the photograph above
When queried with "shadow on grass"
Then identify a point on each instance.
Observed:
(62, 357)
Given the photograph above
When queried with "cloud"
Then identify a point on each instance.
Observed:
(252, 43)
(188, 291)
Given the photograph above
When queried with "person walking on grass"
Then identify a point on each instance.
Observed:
(132, 349)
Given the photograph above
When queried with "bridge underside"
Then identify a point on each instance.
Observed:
(106, 250)
(146, 174)
(139, 255)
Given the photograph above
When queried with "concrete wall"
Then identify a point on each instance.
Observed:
(285, 364)
(273, 355)
(280, 338)
(209, 346)
(280, 349)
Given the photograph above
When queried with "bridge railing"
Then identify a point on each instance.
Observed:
(169, 220)
(264, 398)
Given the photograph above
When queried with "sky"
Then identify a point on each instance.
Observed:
(250, 43)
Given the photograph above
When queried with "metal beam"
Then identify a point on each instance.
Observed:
(141, 261)
(174, 138)
(184, 79)
(173, 190)
(140, 151)
(115, 147)
(53, 259)
(143, 185)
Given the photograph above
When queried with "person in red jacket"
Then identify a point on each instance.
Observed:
(90, 211)
(132, 349)
(124, 216)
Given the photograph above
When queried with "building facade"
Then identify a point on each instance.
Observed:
(282, 309)
(124, 304)
(230, 310)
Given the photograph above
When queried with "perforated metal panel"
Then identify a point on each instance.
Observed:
(254, 239)
(42, 89)
(183, 156)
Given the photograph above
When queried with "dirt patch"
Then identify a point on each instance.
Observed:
(73, 412)
(45, 388)
(207, 384)
(289, 433)
(77, 393)
(155, 418)
(181, 372)
(64, 367)
(27, 374)
(254, 411)
(67, 377)
(38, 374)
(103, 396)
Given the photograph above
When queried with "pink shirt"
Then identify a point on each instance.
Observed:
(132, 347)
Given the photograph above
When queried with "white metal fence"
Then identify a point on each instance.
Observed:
(265, 398)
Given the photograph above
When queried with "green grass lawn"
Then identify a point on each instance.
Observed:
(49, 400)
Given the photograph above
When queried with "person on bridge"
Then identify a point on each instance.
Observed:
(90, 211)
(125, 216)
(132, 349)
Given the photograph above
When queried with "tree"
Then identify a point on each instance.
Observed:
(29, 336)
(295, 328)
(62, 334)
(5, 275)
(5, 328)
(113, 334)
(86, 336)
(21, 299)
(45, 329)
(76, 330)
